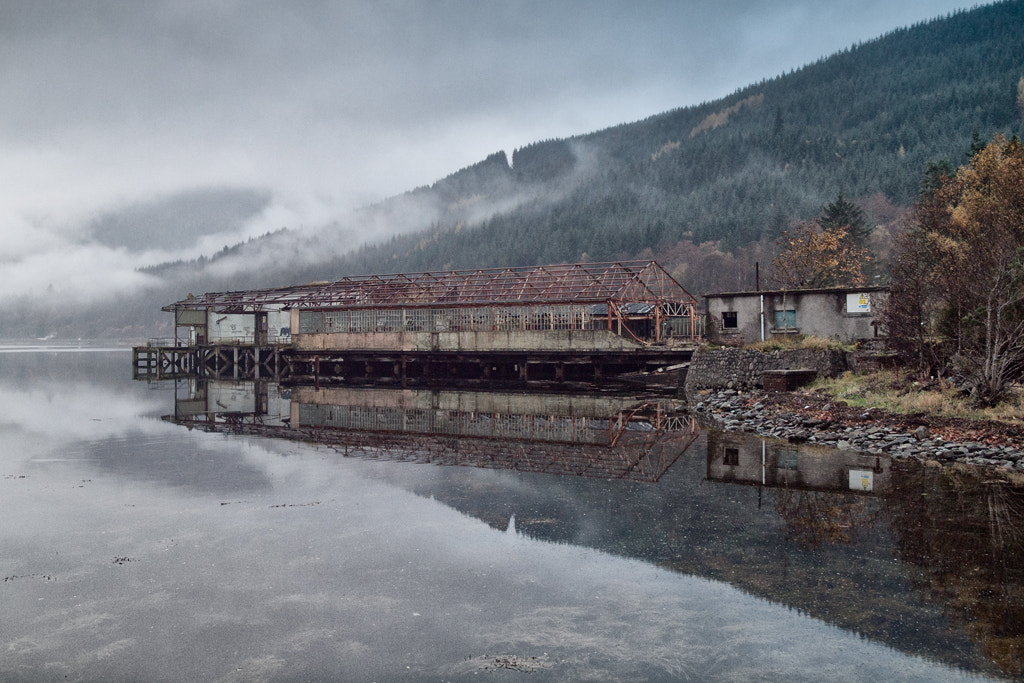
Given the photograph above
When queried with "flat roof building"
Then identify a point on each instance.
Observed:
(845, 313)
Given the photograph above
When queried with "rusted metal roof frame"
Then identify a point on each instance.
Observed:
(246, 301)
(619, 282)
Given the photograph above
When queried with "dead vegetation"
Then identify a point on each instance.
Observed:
(898, 393)
(800, 341)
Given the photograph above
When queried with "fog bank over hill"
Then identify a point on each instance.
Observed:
(703, 188)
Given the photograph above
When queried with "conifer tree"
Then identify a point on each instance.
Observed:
(1020, 98)
(842, 213)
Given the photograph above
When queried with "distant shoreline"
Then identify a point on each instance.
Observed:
(23, 346)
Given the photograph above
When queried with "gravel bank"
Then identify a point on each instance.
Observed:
(800, 417)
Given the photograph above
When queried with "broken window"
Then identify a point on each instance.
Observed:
(729, 320)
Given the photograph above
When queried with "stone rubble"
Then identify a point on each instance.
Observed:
(730, 410)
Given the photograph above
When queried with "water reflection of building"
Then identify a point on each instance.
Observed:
(212, 404)
(858, 562)
(593, 436)
(744, 459)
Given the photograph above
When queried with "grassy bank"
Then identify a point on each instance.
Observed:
(896, 393)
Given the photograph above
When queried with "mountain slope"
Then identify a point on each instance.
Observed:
(864, 123)
(704, 188)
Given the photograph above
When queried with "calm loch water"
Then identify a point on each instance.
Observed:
(247, 532)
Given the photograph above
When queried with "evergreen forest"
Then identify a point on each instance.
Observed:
(706, 190)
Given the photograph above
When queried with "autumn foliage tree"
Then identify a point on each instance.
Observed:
(911, 313)
(959, 271)
(815, 257)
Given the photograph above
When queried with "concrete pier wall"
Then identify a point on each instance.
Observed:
(471, 341)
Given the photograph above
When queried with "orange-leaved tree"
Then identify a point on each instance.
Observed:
(964, 259)
(813, 257)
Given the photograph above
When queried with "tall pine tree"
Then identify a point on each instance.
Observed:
(842, 213)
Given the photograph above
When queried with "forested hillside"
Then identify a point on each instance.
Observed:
(705, 189)
(864, 123)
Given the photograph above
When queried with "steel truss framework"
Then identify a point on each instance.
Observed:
(618, 453)
(565, 296)
(621, 282)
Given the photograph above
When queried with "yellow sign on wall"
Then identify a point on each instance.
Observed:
(858, 302)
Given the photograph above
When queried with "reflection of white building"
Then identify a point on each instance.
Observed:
(748, 317)
(746, 459)
(594, 436)
(237, 401)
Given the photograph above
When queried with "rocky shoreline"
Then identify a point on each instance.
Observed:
(812, 418)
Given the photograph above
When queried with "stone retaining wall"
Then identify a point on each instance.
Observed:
(787, 380)
(742, 369)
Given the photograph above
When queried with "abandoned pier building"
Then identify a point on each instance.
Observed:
(563, 322)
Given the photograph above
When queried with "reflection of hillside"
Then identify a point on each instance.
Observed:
(964, 536)
(604, 437)
(735, 534)
(814, 518)
(210, 471)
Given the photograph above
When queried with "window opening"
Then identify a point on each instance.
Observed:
(786, 460)
(785, 320)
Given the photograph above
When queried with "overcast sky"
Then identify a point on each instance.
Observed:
(307, 108)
